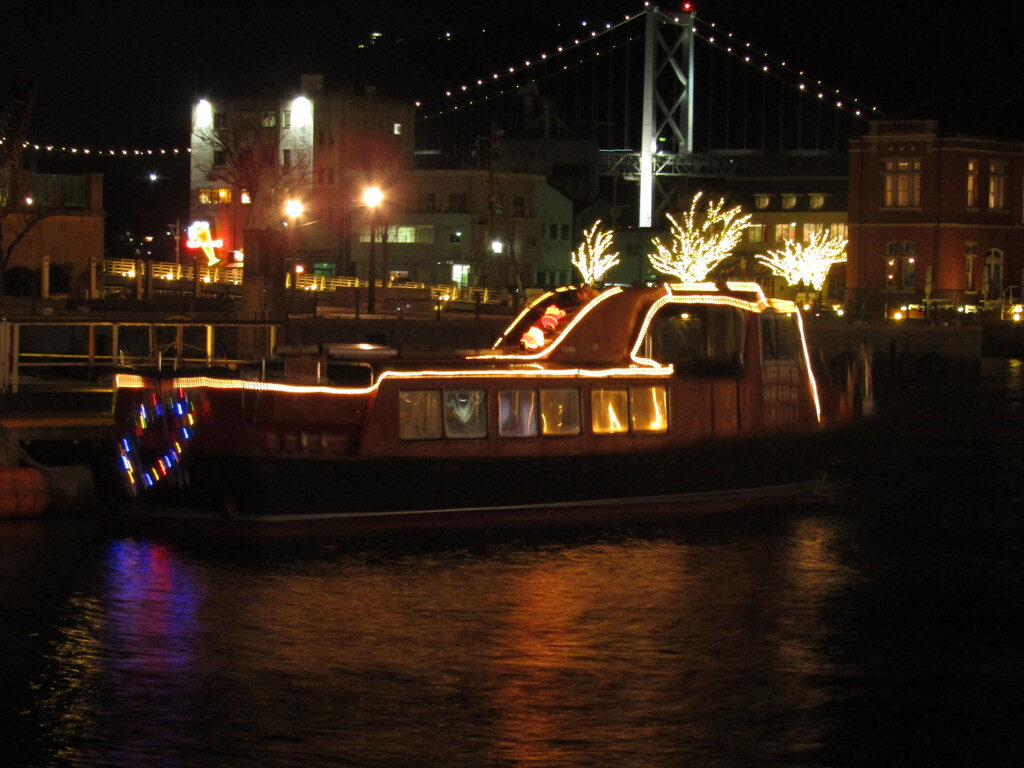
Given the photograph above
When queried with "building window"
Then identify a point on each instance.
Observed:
(840, 230)
(220, 120)
(246, 198)
(214, 196)
(518, 206)
(902, 183)
(397, 129)
(970, 251)
(997, 186)
(552, 231)
(286, 159)
(789, 202)
(900, 265)
(268, 118)
(455, 237)
(565, 231)
(220, 158)
(972, 183)
(816, 200)
(785, 232)
(755, 233)
(286, 118)
(813, 228)
(761, 201)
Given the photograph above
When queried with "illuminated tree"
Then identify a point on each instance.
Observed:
(809, 262)
(592, 258)
(705, 236)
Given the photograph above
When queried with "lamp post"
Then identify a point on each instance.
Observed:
(372, 198)
(293, 210)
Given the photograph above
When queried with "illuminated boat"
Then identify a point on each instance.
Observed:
(691, 396)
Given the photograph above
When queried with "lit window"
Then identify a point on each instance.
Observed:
(900, 265)
(397, 129)
(996, 186)
(761, 201)
(816, 200)
(517, 413)
(902, 180)
(755, 233)
(560, 411)
(840, 230)
(972, 183)
(419, 415)
(609, 411)
(214, 196)
(268, 118)
(784, 232)
(648, 409)
(789, 202)
(246, 198)
(465, 413)
(812, 228)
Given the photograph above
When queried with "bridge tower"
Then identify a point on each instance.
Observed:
(667, 129)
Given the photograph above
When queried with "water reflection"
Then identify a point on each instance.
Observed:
(624, 650)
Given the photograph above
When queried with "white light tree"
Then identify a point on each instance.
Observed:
(701, 241)
(592, 258)
(807, 263)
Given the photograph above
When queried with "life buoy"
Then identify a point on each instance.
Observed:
(153, 443)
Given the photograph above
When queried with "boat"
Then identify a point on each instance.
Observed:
(686, 396)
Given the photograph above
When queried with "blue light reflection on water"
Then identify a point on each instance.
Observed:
(873, 624)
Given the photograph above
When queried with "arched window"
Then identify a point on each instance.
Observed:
(900, 265)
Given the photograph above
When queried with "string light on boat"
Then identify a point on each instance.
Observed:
(152, 446)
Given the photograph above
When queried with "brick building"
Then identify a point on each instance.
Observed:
(935, 220)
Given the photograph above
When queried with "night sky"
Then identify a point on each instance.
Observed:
(116, 75)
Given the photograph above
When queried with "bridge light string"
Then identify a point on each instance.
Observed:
(536, 61)
(746, 53)
(774, 68)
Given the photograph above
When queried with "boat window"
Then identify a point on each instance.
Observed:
(648, 409)
(699, 339)
(517, 413)
(465, 413)
(609, 411)
(419, 414)
(560, 411)
(779, 337)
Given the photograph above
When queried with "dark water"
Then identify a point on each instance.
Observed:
(872, 625)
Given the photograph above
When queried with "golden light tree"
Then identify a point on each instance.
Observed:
(705, 236)
(809, 262)
(592, 258)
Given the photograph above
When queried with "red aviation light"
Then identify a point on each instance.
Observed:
(688, 8)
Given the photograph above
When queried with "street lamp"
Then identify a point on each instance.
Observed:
(372, 198)
(293, 210)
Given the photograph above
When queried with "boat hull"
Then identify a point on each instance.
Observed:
(704, 477)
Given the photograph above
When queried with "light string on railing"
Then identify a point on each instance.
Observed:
(90, 152)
